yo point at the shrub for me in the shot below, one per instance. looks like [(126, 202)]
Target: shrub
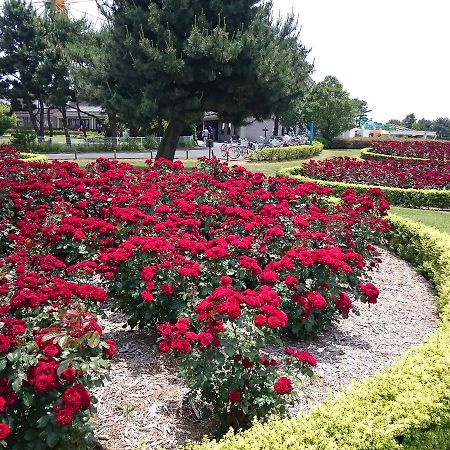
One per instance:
[(404, 407), (52, 353), (32, 157), (22, 138), (285, 153), (150, 143)]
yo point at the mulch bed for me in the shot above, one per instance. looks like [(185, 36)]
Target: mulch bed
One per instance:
[(142, 406)]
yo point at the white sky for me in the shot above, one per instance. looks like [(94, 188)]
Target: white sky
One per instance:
[(395, 54)]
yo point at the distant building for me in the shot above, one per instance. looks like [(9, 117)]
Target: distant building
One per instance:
[(376, 129), (91, 116), (225, 131)]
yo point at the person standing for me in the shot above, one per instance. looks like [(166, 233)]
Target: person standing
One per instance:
[(205, 134)]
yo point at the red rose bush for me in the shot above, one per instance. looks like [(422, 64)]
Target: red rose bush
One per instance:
[(221, 261), (407, 173), (425, 149)]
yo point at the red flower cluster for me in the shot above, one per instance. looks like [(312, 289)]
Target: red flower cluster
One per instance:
[(74, 399), (416, 174), (283, 386), (426, 149), (370, 291)]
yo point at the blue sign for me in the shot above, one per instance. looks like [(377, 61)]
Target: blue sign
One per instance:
[(311, 133)]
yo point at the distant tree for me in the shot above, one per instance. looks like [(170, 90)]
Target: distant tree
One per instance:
[(442, 127), (93, 77), (175, 60), (394, 122), (361, 111), (409, 120), (61, 37), (424, 124), (22, 44), (7, 118), (329, 106)]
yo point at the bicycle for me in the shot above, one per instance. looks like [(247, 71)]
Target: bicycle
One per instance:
[(233, 151)]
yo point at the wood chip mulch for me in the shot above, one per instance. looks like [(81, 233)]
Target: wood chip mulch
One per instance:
[(142, 407)]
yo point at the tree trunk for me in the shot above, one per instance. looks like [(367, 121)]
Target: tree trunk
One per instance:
[(41, 135), (159, 131), (276, 125), (50, 126), (32, 116), (66, 128), (168, 145), (82, 126), (112, 118)]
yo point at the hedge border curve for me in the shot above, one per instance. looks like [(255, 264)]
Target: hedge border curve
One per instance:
[(416, 198), (285, 153), (366, 153), (405, 407)]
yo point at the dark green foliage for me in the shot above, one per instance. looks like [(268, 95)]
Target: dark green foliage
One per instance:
[(175, 59), (22, 45), (23, 138)]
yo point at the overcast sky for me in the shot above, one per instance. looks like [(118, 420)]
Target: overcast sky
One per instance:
[(395, 54)]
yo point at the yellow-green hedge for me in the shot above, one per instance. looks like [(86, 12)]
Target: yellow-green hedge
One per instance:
[(405, 407), (366, 153), (412, 198), (32, 157), (286, 153)]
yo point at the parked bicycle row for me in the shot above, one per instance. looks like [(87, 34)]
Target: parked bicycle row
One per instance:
[(239, 148)]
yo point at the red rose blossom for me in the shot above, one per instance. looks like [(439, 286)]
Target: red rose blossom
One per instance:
[(283, 386)]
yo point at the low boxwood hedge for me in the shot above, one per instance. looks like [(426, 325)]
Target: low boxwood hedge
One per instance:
[(405, 407), (32, 157), (366, 153), (286, 153), (412, 198)]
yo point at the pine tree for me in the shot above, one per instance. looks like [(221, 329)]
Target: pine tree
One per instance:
[(175, 59)]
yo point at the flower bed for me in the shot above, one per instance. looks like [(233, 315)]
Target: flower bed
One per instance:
[(412, 198), (425, 149), (405, 407), (10, 152), (392, 173), (219, 260)]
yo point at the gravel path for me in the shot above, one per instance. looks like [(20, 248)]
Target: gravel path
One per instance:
[(142, 406)]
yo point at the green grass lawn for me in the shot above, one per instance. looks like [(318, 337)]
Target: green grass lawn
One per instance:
[(431, 218)]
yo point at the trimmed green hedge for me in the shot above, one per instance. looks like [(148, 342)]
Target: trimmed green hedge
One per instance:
[(405, 407), (367, 154), (412, 198), (286, 153), (32, 157)]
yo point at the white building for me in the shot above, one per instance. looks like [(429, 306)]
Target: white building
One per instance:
[(91, 116)]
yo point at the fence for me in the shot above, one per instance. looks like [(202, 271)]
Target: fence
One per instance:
[(128, 140)]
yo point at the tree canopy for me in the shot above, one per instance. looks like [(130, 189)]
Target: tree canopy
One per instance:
[(330, 107), (7, 118), (176, 59)]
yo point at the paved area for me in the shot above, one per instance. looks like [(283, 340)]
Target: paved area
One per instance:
[(179, 154)]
